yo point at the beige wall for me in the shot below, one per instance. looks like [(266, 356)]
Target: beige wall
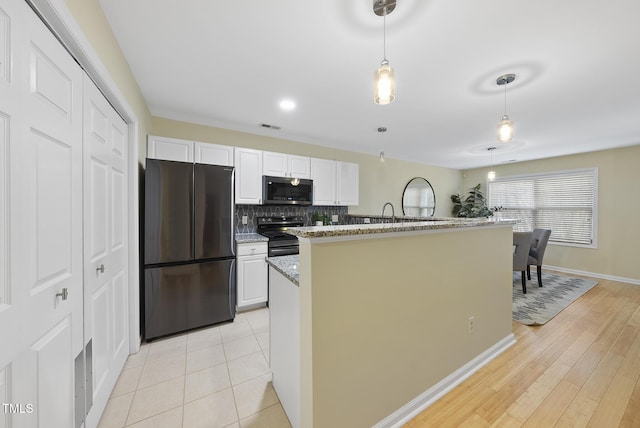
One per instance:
[(379, 182), (91, 19), (383, 320), (618, 208)]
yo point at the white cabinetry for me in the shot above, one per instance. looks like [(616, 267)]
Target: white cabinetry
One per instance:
[(283, 165), (169, 149), (174, 149), (248, 176), (335, 183), (252, 277), (323, 174), (213, 154), (284, 329), (347, 183)]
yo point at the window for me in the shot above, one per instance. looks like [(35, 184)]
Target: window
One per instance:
[(564, 201)]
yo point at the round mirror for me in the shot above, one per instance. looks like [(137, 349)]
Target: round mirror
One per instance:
[(418, 198)]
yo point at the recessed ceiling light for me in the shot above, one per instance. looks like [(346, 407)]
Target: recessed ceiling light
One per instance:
[(287, 105)]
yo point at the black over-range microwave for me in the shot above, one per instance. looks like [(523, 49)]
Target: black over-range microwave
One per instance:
[(286, 191)]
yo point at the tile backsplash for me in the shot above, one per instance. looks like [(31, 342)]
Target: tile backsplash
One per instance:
[(254, 211)]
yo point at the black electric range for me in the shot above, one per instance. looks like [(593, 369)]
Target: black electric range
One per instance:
[(280, 242)]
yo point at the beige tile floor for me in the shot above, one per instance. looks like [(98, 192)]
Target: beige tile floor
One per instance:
[(212, 377)]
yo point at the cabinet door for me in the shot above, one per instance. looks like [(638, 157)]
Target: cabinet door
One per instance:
[(274, 164), (323, 174), (213, 154), (252, 280), (299, 166), (248, 176), (348, 183), (169, 149)]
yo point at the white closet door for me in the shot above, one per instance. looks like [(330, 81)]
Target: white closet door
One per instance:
[(105, 250), (41, 210)]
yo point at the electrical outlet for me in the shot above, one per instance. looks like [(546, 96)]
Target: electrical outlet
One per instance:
[(367, 220), (334, 218), (245, 220), (472, 321)]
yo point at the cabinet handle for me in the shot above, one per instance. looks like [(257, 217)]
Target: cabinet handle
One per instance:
[(100, 269), (64, 294)]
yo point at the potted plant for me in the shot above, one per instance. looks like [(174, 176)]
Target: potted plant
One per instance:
[(317, 219), (474, 205)]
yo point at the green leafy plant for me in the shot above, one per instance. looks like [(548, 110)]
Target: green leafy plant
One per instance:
[(474, 205)]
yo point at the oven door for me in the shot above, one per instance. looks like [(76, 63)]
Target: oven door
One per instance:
[(283, 251), (282, 247)]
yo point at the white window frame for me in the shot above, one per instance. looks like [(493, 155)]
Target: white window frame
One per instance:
[(594, 208)]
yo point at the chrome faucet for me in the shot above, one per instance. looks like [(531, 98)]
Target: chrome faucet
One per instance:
[(393, 212)]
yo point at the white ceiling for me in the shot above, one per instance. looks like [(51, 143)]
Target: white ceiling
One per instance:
[(229, 63)]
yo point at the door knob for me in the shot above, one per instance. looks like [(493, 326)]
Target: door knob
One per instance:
[(100, 269), (64, 294)]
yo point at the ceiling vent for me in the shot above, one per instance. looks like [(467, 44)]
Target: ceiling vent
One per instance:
[(266, 125)]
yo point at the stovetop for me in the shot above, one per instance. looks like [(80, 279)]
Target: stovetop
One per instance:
[(274, 227)]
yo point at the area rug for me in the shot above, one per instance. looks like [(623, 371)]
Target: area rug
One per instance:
[(539, 305)]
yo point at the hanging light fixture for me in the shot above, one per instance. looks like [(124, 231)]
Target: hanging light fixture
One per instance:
[(505, 127), (382, 130), (491, 175), (384, 81)]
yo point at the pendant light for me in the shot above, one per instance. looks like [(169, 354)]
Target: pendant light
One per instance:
[(505, 127), (491, 175), (384, 82), (382, 130)]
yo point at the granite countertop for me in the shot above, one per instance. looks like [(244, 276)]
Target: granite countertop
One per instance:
[(400, 218), (286, 265), (247, 238), (413, 226)]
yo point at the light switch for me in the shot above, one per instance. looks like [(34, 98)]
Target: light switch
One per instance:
[(245, 220)]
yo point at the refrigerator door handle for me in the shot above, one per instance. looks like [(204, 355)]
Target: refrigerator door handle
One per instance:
[(232, 290), (232, 236)]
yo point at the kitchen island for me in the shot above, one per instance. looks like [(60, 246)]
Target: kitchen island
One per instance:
[(386, 318)]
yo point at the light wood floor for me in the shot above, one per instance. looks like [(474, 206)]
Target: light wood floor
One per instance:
[(581, 369)]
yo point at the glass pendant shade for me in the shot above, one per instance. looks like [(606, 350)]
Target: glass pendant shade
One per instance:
[(505, 129), (384, 81), (491, 175)]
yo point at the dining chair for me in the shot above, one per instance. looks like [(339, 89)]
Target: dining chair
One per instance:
[(521, 244), (539, 241)]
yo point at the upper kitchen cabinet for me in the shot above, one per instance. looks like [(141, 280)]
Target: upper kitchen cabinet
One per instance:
[(347, 183), (213, 154), (335, 183), (173, 149), (323, 174), (248, 164), (284, 165)]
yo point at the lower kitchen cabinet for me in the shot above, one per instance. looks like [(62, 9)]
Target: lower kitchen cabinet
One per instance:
[(252, 276)]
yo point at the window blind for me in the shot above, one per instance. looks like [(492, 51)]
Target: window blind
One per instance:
[(564, 202)]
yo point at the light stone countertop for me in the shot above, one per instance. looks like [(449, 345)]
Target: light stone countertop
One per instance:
[(286, 265), (413, 226), (248, 238)]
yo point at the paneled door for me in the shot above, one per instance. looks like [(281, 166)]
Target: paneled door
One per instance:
[(105, 249), (40, 213)]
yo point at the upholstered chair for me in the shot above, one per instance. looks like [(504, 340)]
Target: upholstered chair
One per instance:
[(521, 244), (539, 241)]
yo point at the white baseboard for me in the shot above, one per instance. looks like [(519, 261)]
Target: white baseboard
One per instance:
[(593, 274), (431, 395)]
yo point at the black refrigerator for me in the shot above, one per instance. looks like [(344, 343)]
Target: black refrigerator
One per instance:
[(189, 257)]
